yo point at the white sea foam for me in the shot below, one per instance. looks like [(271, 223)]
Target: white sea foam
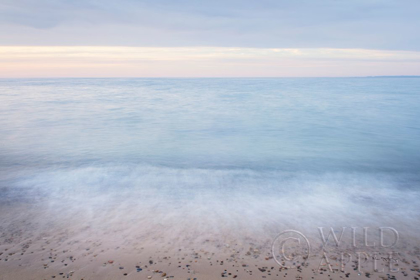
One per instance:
[(199, 203)]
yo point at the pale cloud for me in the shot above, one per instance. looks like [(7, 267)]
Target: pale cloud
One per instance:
[(363, 24), (94, 61)]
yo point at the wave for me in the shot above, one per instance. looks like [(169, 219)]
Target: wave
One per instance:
[(240, 201)]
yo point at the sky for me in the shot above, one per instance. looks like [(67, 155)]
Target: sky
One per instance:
[(185, 38)]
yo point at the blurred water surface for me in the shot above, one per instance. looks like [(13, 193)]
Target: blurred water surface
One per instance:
[(250, 157), (289, 124)]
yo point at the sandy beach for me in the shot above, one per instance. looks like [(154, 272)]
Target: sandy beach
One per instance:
[(124, 250)]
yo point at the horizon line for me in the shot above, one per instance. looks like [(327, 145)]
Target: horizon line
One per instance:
[(215, 77)]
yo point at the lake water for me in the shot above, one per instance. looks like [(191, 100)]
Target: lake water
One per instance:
[(290, 150), (337, 124)]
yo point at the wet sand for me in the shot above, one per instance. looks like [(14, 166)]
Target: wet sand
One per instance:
[(56, 246)]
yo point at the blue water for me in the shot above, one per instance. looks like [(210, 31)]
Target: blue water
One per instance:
[(305, 124), (197, 154)]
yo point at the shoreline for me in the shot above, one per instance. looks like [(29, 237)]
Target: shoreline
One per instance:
[(120, 249)]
